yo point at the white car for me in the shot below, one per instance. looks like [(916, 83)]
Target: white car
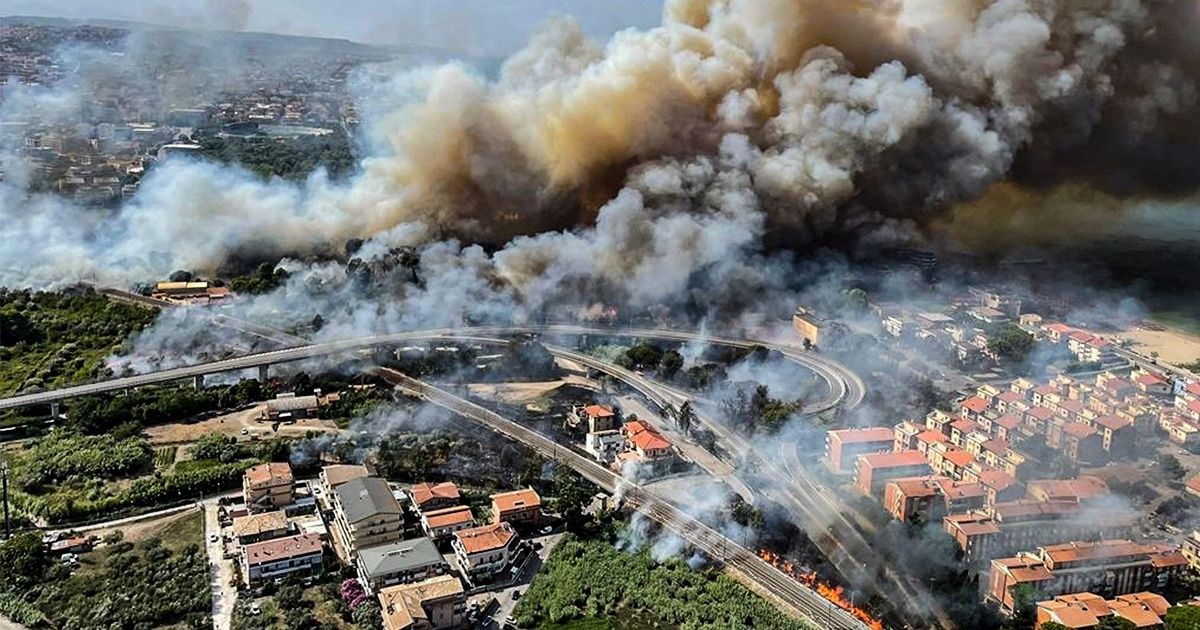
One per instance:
[(212, 538), (546, 530), (255, 609)]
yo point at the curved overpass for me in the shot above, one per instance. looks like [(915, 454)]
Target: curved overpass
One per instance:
[(845, 387)]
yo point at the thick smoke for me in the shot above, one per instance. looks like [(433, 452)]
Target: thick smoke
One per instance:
[(626, 170)]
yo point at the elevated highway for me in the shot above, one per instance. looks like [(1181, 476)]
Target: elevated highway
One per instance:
[(846, 389)]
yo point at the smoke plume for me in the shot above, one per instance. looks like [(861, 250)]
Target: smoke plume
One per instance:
[(735, 127)]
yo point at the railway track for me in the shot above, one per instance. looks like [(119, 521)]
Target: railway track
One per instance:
[(814, 608)]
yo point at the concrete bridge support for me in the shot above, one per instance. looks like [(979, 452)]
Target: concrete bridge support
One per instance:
[(198, 381), (55, 411), (264, 373)]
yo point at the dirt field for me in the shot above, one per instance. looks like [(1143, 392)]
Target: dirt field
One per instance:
[(233, 424), (1171, 344), (524, 393)]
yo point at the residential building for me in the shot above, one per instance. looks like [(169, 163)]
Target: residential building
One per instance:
[(1109, 568), (337, 474), (484, 551), (595, 417), (434, 496), (928, 499), (1085, 611), (1190, 548), (1080, 490), (254, 528), (875, 469), (438, 603), (272, 559), (604, 445), (268, 486), (518, 507), (399, 562), (815, 330), (441, 524), (843, 446), (647, 443), (366, 513), (1006, 528)]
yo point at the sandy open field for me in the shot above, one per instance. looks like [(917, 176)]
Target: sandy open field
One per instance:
[(1172, 345), (524, 393), (232, 424)]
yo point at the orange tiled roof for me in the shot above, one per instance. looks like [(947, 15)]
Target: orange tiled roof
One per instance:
[(645, 437), (975, 404), (273, 474), (517, 500), (485, 538), (282, 548), (448, 517), (423, 493), (598, 411)]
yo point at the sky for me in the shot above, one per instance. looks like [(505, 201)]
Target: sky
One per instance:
[(477, 27)]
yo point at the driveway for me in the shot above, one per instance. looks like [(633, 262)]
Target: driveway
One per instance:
[(224, 595)]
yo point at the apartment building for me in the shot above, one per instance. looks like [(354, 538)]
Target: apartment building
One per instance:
[(399, 562), (483, 551), (268, 487), (366, 513), (1108, 568), (843, 446), (438, 603), (273, 559)]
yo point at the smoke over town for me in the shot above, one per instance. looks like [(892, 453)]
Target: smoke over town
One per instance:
[(629, 167)]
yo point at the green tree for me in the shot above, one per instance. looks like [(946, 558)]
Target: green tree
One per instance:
[(368, 616), (571, 496), (1053, 625), (644, 356), (670, 364), (23, 557), (1183, 618), (1011, 343), (1114, 622), (686, 416)]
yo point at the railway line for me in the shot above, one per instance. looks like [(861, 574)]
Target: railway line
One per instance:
[(814, 608)]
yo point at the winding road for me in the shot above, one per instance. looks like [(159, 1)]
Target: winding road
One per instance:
[(846, 389)]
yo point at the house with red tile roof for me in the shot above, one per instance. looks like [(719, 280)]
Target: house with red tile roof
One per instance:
[(434, 496)]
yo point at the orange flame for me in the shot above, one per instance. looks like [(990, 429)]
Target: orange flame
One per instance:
[(835, 594)]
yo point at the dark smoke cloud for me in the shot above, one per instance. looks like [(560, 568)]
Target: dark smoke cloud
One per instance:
[(626, 170)]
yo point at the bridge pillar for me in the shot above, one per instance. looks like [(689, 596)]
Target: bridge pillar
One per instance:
[(55, 411), (264, 373), (198, 381)]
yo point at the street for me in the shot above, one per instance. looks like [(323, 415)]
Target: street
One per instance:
[(224, 595)]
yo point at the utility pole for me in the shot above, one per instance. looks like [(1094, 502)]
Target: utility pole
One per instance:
[(4, 485)]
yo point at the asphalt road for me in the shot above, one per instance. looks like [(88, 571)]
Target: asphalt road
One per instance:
[(846, 388)]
